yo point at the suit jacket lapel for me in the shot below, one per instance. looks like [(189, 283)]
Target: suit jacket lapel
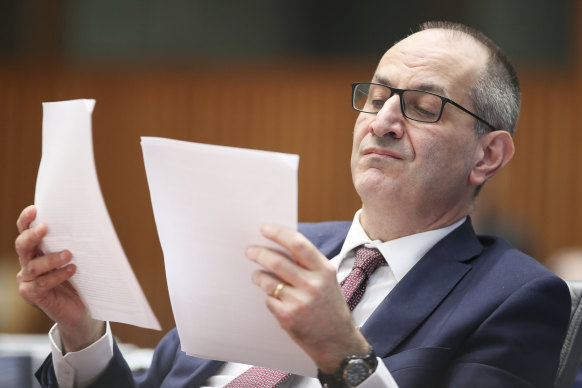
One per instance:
[(422, 289)]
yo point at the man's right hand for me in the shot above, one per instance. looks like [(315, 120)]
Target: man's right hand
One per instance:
[(43, 281)]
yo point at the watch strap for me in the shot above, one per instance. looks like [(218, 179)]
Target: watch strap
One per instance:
[(338, 378)]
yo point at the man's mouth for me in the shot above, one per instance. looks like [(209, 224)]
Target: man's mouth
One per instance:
[(383, 152)]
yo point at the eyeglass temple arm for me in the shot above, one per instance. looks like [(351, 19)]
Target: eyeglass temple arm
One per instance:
[(471, 113)]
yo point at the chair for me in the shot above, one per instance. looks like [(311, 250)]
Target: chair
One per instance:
[(571, 353)]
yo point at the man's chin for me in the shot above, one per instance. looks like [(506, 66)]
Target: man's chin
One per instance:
[(372, 182)]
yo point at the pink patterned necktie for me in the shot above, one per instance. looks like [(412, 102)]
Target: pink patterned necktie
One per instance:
[(353, 288), (354, 285)]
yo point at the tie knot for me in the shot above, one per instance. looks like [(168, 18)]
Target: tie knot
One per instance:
[(368, 259)]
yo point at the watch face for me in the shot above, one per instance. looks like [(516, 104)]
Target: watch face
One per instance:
[(355, 372)]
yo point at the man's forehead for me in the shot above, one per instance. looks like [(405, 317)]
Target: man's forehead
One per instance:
[(435, 60), (426, 85)]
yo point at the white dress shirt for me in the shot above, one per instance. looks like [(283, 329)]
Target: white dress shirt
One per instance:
[(79, 369)]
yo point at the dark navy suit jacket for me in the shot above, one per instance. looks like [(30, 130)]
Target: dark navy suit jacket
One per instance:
[(473, 312)]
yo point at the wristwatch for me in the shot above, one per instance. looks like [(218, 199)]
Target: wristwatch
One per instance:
[(352, 372)]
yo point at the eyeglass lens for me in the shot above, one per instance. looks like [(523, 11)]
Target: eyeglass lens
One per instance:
[(417, 105)]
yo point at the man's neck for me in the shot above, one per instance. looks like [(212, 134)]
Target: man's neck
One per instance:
[(390, 225)]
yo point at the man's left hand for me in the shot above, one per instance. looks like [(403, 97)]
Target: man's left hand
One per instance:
[(310, 306)]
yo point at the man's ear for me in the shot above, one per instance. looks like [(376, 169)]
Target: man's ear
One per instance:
[(495, 151)]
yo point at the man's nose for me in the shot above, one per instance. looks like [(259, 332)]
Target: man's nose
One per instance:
[(389, 120)]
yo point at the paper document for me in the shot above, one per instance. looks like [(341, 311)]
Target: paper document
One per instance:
[(209, 203), (69, 202)]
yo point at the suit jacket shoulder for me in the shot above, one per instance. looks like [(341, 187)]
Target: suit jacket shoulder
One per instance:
[(474, 311)]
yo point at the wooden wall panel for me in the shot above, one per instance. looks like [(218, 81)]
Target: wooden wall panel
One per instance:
[(540, 188)]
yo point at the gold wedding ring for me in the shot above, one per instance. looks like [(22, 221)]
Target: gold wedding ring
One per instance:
[(278, 290)]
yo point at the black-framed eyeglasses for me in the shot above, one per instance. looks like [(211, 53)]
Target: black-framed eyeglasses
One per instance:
[(417, 105)]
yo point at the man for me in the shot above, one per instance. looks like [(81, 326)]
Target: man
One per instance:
[(448, 310)]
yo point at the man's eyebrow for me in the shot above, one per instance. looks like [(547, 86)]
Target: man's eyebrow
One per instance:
[(427, 87), (381, 80)]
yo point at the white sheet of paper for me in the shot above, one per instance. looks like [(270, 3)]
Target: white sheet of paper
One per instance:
[(209, 203), (69, 201)]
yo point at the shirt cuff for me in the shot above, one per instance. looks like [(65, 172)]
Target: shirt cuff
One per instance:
[(79, 369), (380, 378)]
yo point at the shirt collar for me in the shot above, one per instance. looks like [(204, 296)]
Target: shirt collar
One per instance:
[(402, 253)]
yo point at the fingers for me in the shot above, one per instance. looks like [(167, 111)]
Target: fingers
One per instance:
[(278, 293), (275, 262), (27, 243), (41, 275), (278, 290), (35, 291), (271, 285), (26, 217), (310, 268), (42, 265), (296, 244)]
